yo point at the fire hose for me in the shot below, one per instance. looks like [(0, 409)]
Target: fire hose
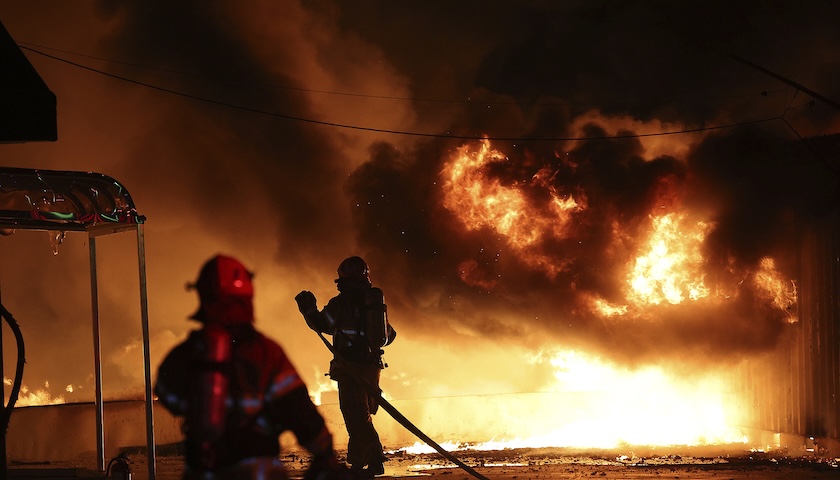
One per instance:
[(377, 394), (13, 395)]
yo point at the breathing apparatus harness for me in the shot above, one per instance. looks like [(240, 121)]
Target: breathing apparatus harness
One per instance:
[(371, 315)]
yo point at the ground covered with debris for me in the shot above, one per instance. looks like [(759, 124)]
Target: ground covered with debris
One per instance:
[(553, 463), (550, 464), (556, 463)]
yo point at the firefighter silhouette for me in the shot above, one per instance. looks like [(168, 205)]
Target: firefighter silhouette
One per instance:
[(357, 319), (236, 389)]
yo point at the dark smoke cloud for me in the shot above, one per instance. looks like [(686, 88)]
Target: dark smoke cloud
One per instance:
[(663, 61), (293, 198), (228, 158)]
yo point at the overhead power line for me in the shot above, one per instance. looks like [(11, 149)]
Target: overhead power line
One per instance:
[(388, 131), (790, 82), (468, 101)]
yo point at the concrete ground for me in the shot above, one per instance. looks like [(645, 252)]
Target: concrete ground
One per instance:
[(523, 464)]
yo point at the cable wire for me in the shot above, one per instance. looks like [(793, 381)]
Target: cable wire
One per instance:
[(411, 99), (395, 132), (811, 148)]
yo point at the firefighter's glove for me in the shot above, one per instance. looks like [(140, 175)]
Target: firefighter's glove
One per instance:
[(327, 467), (306, 302)]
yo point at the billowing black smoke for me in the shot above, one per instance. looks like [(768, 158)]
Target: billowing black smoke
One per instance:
[(756, 182)]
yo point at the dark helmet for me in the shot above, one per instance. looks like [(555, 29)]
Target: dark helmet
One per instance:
[(353, 267), (225, 290), (353, 274)]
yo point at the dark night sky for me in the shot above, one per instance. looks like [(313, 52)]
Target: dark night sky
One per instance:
[(266, 130)]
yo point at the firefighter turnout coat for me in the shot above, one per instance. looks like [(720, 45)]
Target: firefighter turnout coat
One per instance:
[(237, 392)]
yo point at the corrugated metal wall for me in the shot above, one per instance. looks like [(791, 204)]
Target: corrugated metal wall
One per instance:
[(796, 388), (819, 318)]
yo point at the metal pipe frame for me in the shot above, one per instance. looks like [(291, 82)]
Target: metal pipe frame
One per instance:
[(147, 364), (97, 356)]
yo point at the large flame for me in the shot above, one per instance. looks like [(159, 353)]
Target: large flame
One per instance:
[(482, 201), (670, 267), (667, 269), (596, 404), (646, 406), (664, 268)]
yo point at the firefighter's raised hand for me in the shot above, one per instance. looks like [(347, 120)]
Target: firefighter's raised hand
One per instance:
[(306, 302)]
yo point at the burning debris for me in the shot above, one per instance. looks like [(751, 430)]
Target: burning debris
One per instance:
[(38, 396)]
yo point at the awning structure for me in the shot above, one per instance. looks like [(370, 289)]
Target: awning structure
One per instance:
[(27, 105), (63, 201), (92, 203)]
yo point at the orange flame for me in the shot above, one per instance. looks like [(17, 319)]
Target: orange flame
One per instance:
[(322, 384), (670, 270), (611, 405), (481, 201), (671, 267), (40, 396), (596, 404), (782, 292)]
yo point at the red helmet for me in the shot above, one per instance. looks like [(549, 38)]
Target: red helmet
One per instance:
[(225, 290)]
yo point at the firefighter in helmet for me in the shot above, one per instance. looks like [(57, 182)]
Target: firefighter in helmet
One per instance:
[(236, 389), (358, 322)]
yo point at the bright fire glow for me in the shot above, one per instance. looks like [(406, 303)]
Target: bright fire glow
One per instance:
[(28, 397), (646, 406), (783, 292), (483, 201), (595, 404), (322, 385), (670, 268)]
